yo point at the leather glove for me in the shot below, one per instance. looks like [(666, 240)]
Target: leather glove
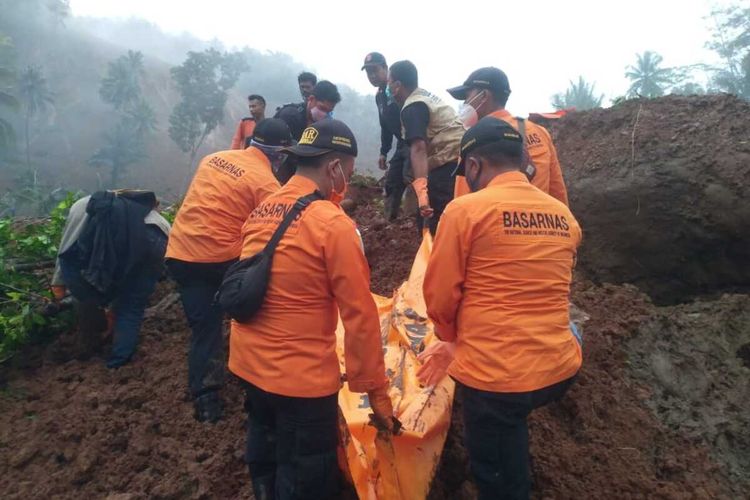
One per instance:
[(382, 408), (58, 291), (423, 199)]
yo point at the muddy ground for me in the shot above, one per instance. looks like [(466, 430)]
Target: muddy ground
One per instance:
[(71, 428), (661, 189), (660, 410)]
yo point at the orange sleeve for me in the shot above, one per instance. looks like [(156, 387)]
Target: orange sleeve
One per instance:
[(556, 182), (349, 278), (461, 187), (446, 271), (237, 139)]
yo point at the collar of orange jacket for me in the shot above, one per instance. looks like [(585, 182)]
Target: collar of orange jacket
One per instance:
[(303, 183), (257, 153), (501, 114), (508, 177)]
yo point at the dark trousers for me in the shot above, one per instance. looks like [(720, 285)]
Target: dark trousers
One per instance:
[(291, 445), (395, 182), (128, 302), (440, 184), (198, 283), (497, 437)]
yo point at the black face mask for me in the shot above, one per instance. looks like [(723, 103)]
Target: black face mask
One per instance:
[(474, 184)]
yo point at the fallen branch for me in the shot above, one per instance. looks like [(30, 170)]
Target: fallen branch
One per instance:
[(27, 292), (29, 266)]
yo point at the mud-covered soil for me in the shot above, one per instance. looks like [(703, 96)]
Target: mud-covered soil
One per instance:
[(73, 429), (603, 440), (661, 189), (695, 359)]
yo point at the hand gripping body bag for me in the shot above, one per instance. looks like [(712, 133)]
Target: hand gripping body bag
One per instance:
[(243, 289)]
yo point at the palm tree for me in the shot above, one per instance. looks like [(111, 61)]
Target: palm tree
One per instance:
[(580, 96), (35, 97), (7, 100), (648, 79), (121, 148), (121, 87), (142, 117)]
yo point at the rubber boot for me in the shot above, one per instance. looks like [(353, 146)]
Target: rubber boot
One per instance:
[(209, 407), (92, 322), (263, 487)]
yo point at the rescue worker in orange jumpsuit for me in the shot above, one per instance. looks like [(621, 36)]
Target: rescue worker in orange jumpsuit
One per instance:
[(497, 287), (206, 239), (257, 105), (286, 354), (485, 93)]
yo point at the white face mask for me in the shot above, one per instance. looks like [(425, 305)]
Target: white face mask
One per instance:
[(467, 113)]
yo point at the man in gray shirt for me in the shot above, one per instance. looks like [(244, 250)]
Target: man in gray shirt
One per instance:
[(131, 294)]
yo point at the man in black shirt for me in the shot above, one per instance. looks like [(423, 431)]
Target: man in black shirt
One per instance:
[(306, 82), (324, 97), (390, 127)]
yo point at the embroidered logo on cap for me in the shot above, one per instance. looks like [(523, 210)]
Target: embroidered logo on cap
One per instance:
[(308, 136)]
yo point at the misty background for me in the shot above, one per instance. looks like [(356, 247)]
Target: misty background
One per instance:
[(99, 102)]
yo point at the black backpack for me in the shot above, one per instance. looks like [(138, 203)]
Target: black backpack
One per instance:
[(243, 289)]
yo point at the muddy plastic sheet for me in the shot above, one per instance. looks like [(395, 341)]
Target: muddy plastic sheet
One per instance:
[(401, 467)]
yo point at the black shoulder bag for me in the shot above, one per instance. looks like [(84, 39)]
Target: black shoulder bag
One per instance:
[(530, 168), (243, 289)]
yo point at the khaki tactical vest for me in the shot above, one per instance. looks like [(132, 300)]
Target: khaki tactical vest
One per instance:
[(444, 132)]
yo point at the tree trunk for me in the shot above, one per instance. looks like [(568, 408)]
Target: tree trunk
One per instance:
[(115, 175), (189, 173), (193, 155), (28, 145)]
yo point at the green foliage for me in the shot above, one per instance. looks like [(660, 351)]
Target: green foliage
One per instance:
[(170, 212), (8, 101), (203, 81), (647, 77), (121, 86), (688, 88), (125, 144), (580, 95), (121, 147), (33, 91), (731, 40), (59, 10), (23, 294), (75, 57), (36, 98), (361, 180), (141, 117)]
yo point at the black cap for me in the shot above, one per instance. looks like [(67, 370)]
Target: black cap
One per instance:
[(489, 130), (374, 59), (325, 136), (272, 132), (483, 78)]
